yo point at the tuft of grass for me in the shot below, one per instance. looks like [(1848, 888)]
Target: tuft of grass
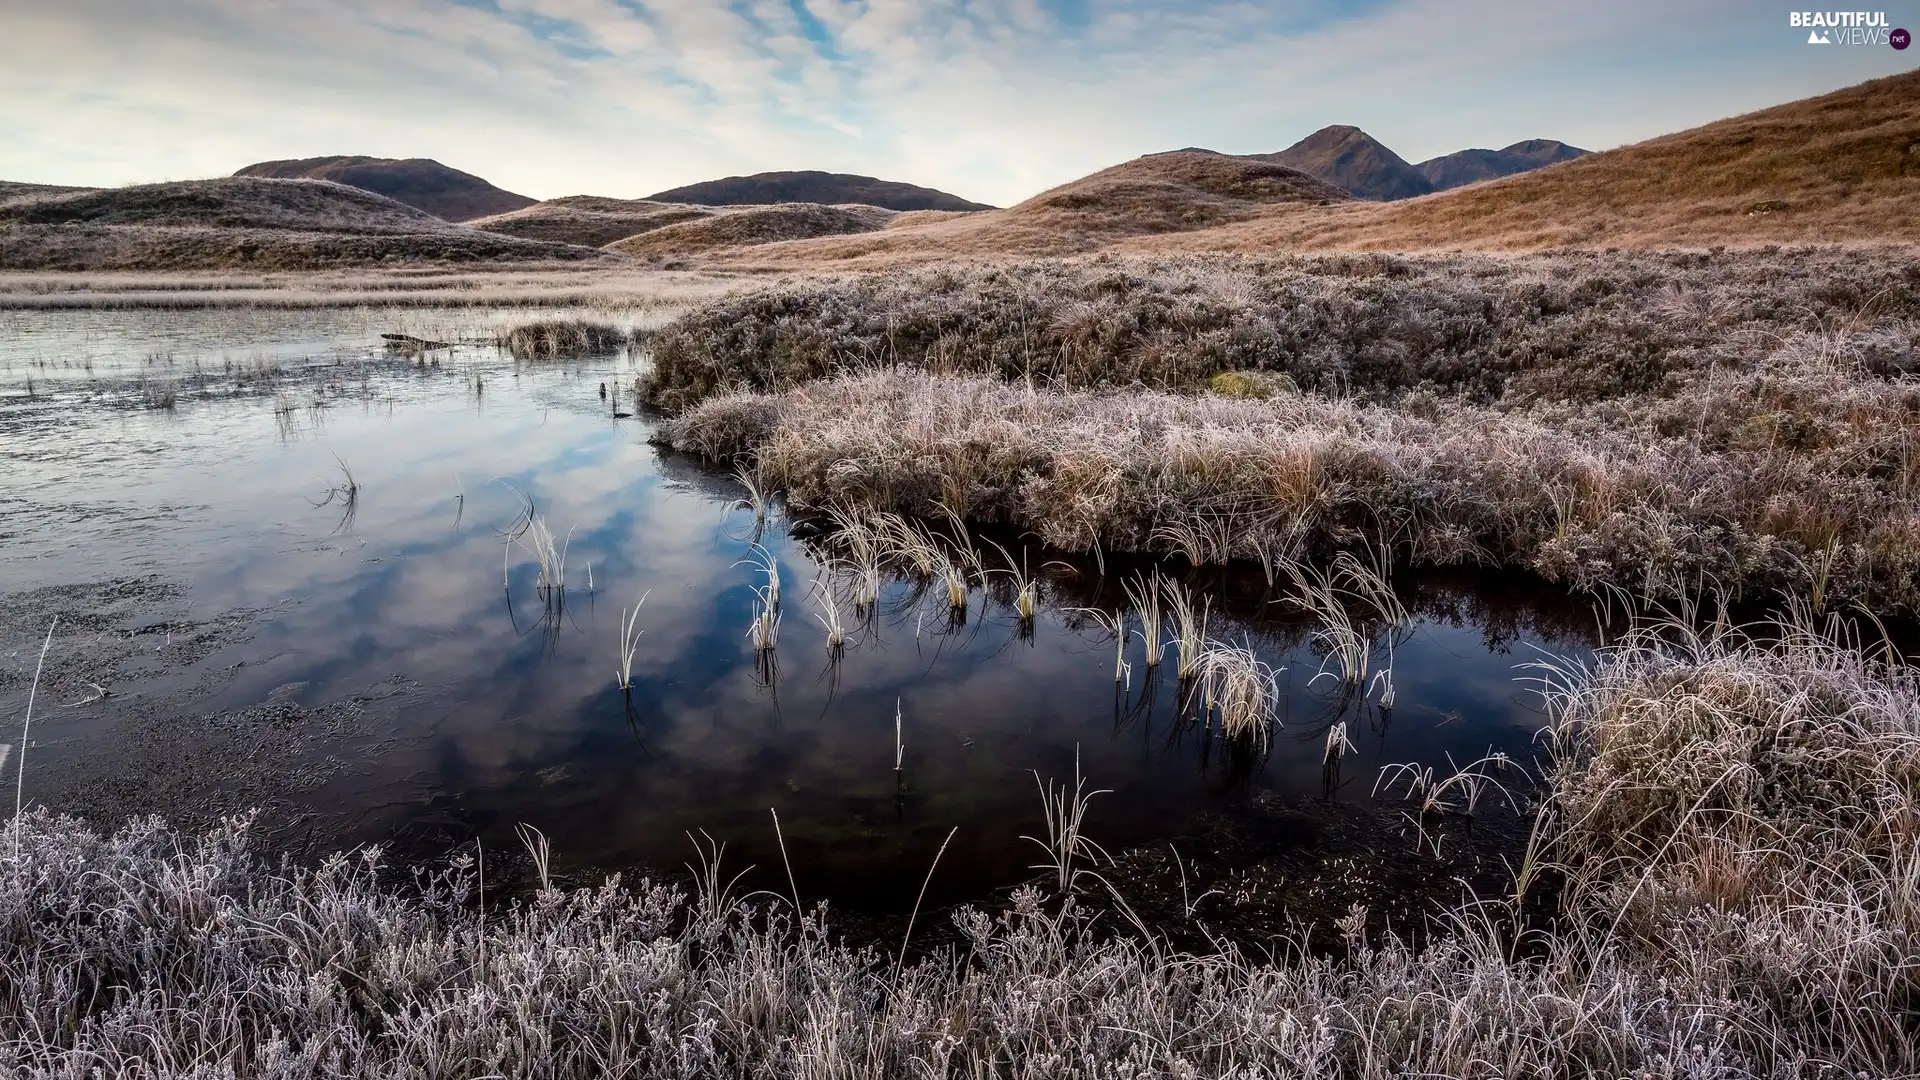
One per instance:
[(558, 339), (1066, 842), (1238, 693)]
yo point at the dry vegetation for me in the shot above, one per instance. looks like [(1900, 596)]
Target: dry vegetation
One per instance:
[(1745, 420), (1734, 824), (589, 220), (243, 223)]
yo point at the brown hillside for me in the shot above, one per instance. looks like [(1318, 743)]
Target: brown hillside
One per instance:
[(589, 219), (770, 188), (1843, 167), (419, 182), (747, 227), (245, 223), (1177, 191), (1353, 161)]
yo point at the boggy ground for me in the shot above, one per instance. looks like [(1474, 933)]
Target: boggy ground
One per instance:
[(1739, 421)]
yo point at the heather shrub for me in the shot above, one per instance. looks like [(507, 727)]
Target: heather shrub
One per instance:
[(1573, 326)]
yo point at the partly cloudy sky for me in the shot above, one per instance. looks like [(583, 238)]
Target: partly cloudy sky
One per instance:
[(991, 100)]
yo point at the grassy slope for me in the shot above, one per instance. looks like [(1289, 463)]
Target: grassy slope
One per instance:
[(244, 223)]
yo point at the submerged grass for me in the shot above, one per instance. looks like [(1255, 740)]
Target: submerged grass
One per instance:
[(1734, 821)]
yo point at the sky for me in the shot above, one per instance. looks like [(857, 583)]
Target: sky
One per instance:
[(993, 100)]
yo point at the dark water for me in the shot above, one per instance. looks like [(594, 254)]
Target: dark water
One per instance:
[(521, 720)]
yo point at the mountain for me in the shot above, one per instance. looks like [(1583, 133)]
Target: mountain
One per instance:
[(1841, 168), (1352, 160), (419, 182), (814, 187), (246, 223), (1472, 166)]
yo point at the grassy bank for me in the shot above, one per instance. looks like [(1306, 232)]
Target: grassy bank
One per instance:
[(1744, 421), (1734, 821)]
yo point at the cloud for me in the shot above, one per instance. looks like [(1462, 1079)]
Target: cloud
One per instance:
[(990, 99)]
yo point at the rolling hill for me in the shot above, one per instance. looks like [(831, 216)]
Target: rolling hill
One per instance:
[(589, 219), (246, 222), (750, 226), (814, 187), (422, 183)]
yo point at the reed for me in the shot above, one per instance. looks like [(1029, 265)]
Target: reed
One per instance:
[(764, 630), (1144, 592), (829, 614), (756, 497), (1338, 743), (768, 567), (1239, 694), (1066, 842), (1189, 627), (630, 641), (26, 722)]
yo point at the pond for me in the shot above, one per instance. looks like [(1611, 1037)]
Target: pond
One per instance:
[(478, 704)]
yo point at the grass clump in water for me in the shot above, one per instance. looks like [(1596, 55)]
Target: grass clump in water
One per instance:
[(559, 339)]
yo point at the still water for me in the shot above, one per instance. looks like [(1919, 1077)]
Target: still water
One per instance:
[(516, 716)]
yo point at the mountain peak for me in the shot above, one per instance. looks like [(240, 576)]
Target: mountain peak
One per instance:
[(1347, 157)]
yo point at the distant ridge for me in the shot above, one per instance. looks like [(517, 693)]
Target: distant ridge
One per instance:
[(1472, 166), (422, 183), (770, 188), (247, 222)]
